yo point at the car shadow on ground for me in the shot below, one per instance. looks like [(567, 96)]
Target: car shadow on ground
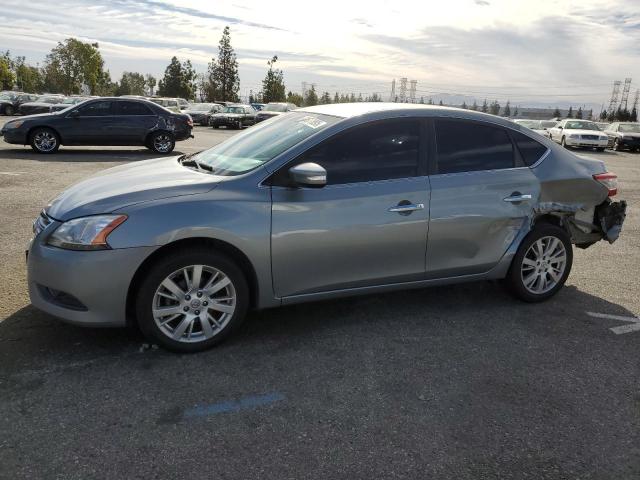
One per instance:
[(30, 338), (86, 155)]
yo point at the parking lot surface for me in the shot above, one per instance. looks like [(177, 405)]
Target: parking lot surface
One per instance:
[(456, 382)]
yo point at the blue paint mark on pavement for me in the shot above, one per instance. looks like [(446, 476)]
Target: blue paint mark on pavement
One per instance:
[(233, 405)]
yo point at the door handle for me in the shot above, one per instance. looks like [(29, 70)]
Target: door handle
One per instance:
[(516, 197), (408, 207)]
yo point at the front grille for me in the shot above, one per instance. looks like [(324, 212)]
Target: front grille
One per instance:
[(42, 222), (590, 137)]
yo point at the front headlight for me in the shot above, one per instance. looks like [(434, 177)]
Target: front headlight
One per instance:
[(14, 124), (86, 233)]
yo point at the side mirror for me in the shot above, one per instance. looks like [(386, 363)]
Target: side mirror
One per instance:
[(308, 175), (559, 127)]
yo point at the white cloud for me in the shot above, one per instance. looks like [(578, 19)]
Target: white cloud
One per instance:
[(517, 49)]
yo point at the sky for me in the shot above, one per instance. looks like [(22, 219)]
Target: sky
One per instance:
[(528, 51)]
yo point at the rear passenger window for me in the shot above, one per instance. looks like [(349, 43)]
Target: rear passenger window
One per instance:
[(379, 151), (465, 146), (133, 108), (530, 150)]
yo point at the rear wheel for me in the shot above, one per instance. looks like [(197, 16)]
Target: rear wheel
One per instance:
[(9, 110), (616, 145), (541, 265), (44, 140), (161, 142), (600, 149), (192, 300)]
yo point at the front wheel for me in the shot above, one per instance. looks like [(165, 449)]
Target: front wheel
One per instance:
[(161, 142), (564, 143), (616, 145), (9, 110), (600, 149), (44, 140), (191, 300), (541, 265)]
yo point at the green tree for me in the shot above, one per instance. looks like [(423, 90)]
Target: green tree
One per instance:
[(570, 114), (603, 115), (579, 113), (634, 114), (73, 64), (556, 113), (515, 112), (507, 110), (325, 99), (440, 103), (295, 98), (421, 100), (131, 83), (311, 97), (223, 72), (336, 98), (150, 82), (273, 83), (7, 77), (179, 80), (464, 105), (430, 101), (474, 106), (494, 108), (485, 106)]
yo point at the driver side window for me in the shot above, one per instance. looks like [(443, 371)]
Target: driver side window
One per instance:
[(95, 109)]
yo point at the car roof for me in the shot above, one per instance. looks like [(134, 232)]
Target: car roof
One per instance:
[(347, 110)]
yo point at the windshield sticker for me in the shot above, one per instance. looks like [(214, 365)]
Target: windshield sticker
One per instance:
[(312, 122)]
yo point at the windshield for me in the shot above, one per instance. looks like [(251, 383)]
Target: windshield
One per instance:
[(275, 108), (48, 99), (262, 143), (233, 110), (529, 123), (629, 128), (579, 125), (7, 96), (201, 107)]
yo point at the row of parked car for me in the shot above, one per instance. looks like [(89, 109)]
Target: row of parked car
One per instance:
[(235, 115), (577, 133)]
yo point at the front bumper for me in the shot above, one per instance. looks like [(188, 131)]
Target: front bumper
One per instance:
[(586, 142), (14, 135), (629, 142), (80, 287), (224, 121)]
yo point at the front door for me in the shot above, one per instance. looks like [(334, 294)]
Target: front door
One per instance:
[(481, 195), (90, 125), (367, 226)]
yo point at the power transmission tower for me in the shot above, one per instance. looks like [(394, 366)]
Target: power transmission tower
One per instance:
[(403, 89), (393, 91), (614, 95), (412, 91), (635, 100), (625, 93), (304, 89)]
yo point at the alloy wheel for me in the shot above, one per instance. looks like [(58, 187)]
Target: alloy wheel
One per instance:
[(162, 143), (45, 141), (543, 265), (194, 303)]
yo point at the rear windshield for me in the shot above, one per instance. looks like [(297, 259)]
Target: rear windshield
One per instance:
[(201, 107), (275, 108), (233, 110), (262, 143)]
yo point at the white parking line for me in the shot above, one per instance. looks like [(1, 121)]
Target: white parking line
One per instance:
[(14, 174), (633, 327)]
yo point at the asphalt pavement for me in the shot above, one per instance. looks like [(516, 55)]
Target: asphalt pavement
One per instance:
[(458, 382)]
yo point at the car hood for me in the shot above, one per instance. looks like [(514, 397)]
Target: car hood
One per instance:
[(630, 135), (128, 184), (228, 115), (584, 132)]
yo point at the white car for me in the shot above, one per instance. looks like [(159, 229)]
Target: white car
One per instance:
[(538, 126), (579, 133)]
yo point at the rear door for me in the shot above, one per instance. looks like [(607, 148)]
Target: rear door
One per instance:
[(90, 126), (481, 194), (367, 226), (131, 123)]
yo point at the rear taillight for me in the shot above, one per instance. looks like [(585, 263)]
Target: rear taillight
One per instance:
[(190, 121), (609, 180)]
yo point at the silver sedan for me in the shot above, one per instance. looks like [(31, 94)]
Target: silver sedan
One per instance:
[(318, 203)]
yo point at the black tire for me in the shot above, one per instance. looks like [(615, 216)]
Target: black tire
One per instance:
[(563, 143), (42, 136), (9, 110), (600, 149), (172, 263), (616, 145), (161, 142), (514, 280)]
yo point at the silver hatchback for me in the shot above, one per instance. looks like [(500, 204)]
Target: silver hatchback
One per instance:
[(318, 203)]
